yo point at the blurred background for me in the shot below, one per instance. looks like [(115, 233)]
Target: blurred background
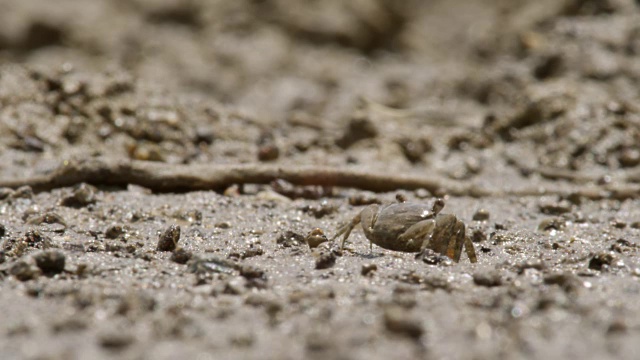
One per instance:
[(448, 85)]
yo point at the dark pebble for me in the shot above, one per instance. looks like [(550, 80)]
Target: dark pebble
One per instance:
[(169, 238), (487, 278), (481, 215), (477, 235), (601, 261), (567, 281), (114, 231), (315, 238), (81, 196), (364, 199), (400, 321), (629, 158), (181, 256), (555, 208), (368, 269), (360, 127), (50, 262), (290, 238), (115, 340), (23, 271), (325, 258), (268, 152), (431, 257)]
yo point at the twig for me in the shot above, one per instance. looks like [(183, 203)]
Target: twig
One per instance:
[(162, 177)]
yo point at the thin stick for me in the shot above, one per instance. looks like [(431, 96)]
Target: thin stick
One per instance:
[(162, 177)]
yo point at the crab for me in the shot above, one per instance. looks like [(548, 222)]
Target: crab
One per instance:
[(412, 227)]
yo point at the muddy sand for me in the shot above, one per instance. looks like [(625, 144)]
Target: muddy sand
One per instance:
[(172, 174)]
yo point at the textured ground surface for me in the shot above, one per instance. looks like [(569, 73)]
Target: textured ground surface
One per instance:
[(532, 106)]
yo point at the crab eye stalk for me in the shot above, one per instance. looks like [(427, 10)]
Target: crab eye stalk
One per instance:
[(438, 205)]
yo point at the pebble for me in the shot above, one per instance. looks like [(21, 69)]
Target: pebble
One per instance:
[(114, 231), (169, 238), (315, 238), (290, 238), (181, 256), (51, 261), (602, 261), (81, 196), (368, 269), (325, 257), (481, 215), (400, 321), (489, 278), (268, 152), (555, 208), (360, 127), (23, 271), (115, 340), (364, 198)]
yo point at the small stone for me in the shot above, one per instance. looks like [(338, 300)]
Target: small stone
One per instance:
[(602, 261), (290, 238), (223, 225), (114, 231), (34, 238), (236, 286), (400, 321), (181, 256), (3, 230), (204, 135), (360, 127), (364, 198), (268, 152), (551, 224), (232, 191), (50, 262), (536, 264), (320, 210), (115, 340), (23, 271), (477, 235), (169, 238), (431, 257), (251, 272), (368, 269), (422, 193), (629, 158), (81, 196), (567, 281), (481, 215), (618, 326), (325, 258), (315, 238), (619, 224), (556, 208), (487, 278), (414, 148)]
